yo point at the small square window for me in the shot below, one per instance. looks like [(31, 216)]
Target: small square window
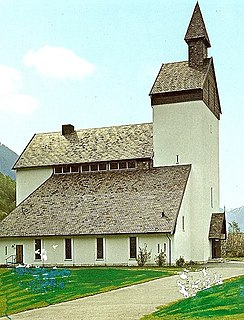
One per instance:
[(102, 166), (94, 167), (58, 170), (74, 169), (122, 165), (131, 164), (114, 166), (85, 167), (66, 169)]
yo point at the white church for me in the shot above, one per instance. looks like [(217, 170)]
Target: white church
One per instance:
[(95, 196)]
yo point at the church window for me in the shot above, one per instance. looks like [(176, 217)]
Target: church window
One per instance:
[(158, 247), (211, 197), (165, 247), (102, 166), (58, 170), (131, 164), (74, 168), (85, 167), (100, 248), (183, 223), (94, 167), (66, 169), (6, 250), (132, 247), (68, 249), (38, 249), (122, 165), (114, 166)]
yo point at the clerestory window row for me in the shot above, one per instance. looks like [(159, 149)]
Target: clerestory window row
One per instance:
[(92, 167)]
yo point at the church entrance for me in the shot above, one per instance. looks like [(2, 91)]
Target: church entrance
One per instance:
[(216, 248), (19, 253)]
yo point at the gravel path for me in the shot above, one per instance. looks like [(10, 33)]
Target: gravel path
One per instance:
[(128, 303)]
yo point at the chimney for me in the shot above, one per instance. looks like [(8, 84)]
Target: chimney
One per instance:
[(67, 129)]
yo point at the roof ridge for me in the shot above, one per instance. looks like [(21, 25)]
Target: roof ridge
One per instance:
[(95, 128)]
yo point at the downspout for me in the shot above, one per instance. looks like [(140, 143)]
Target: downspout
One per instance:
[(170, 257)]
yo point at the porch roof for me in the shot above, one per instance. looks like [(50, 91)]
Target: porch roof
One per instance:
[(217, 226)]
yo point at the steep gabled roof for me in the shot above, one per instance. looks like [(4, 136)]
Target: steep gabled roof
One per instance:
[(217, 228), (137, 201), (178, 76), (88, 145)]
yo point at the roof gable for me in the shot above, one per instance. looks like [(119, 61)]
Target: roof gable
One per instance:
[(88, 145), (101, 203)]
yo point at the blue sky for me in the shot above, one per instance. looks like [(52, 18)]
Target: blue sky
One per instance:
[(92, 63)]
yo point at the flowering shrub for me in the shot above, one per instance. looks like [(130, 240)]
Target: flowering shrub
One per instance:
[(143, 256)]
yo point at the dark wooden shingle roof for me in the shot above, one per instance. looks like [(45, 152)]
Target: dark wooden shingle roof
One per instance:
[(101, 203), (217, 226), (88, 145), (197, 28), (178, 76)]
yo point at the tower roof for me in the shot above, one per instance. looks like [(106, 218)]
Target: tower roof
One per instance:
[(196, 29)]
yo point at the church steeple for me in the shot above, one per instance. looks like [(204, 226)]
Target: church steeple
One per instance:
[(197, 39)]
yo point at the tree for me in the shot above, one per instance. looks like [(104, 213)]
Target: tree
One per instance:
[(7, 195), (234, 227)]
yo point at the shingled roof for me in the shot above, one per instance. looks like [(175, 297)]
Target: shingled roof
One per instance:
[(88, 145), (217, 226), (197, 28), (136, 201), (179, 76)]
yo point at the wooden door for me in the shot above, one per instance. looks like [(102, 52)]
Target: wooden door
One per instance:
[(19, 253), (216, 248)]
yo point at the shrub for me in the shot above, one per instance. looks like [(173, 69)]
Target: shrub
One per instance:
[(160, 259), (180, 262), (191, 263), (143, 256)]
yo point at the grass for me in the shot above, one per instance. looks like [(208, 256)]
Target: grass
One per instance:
[(221, 302), (235, 259), (23, 289)]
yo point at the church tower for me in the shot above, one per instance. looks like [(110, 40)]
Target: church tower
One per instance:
[(186, 113)]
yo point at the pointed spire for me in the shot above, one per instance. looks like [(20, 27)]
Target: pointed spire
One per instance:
[(196, 28), (197, 39)]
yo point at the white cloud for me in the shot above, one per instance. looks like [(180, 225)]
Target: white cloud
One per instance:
[(11, 98), (58, 62)]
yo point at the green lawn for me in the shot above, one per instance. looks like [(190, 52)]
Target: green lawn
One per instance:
[(224, 301), (235, 259), (22, 289)]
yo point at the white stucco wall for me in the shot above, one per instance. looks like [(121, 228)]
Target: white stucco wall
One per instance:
[(191, 131), (116, 250), (29, 179)]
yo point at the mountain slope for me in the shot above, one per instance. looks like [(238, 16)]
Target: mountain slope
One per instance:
[(7, 195), (236, 215), (7, 160)]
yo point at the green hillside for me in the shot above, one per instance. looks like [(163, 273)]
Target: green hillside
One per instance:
[(7, 195)]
